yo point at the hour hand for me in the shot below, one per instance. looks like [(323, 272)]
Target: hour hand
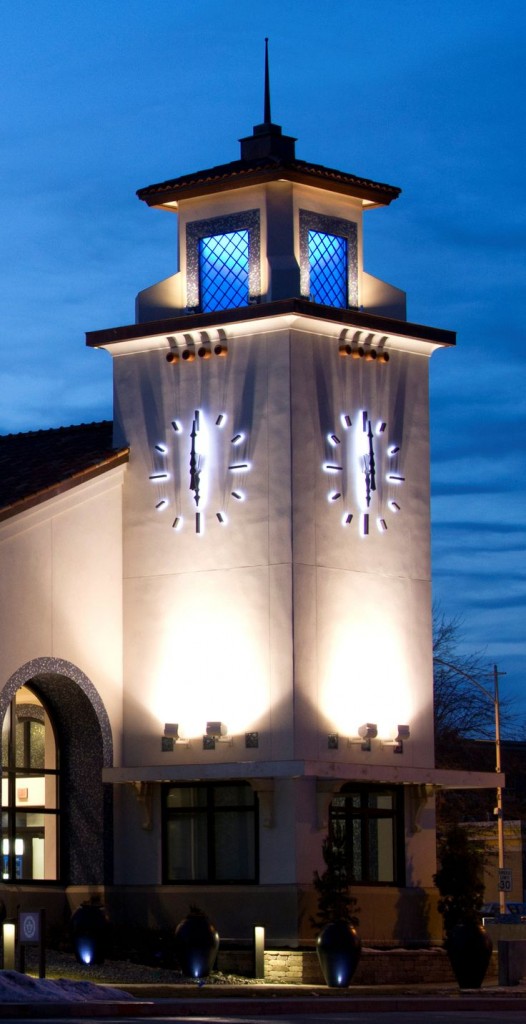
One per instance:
[(367, 474)]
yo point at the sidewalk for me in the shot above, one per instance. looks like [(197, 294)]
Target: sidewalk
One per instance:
[(271, 1000)]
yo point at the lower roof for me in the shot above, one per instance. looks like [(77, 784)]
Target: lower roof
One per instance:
[(40, 464)]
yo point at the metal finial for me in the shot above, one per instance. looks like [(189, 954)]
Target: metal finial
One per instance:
[(266, 114)]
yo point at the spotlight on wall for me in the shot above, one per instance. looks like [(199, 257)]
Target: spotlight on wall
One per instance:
[(404, 732), (216, 732), (171, 736), (368, 732)]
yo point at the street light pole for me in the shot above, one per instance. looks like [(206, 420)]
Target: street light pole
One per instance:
[(500, 812), (494, 698)]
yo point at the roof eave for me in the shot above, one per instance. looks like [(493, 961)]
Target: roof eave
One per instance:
[(168, 195), (54, 490)]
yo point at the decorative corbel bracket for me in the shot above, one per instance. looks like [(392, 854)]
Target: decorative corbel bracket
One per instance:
[(144, 796), (265, 791), (418, 797)]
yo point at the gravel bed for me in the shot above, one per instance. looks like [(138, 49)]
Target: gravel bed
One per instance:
[(123, 972)]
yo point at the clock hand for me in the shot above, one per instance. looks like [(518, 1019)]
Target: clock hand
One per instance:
[(372, 467), (367, 474), (195, 461)]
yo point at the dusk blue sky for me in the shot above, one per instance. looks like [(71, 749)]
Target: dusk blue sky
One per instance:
[(102, 97)]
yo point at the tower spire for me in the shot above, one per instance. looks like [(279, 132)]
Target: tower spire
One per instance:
[(267, 119), (267, 140)]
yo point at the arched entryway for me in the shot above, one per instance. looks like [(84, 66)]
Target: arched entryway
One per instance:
[(53, 716)]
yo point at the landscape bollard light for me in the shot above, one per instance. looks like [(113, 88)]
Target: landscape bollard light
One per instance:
[(259, 951), (9, 932)]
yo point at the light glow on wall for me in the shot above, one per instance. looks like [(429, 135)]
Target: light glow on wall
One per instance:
[(365, 678), (213, 666)]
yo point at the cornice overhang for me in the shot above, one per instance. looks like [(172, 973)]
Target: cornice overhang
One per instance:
[(338, 772), (296, 312), (241, 174)]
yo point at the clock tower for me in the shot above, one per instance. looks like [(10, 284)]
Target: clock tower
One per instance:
[(277, 585)]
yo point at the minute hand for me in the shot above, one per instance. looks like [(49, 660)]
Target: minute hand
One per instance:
[(372, 467), (194, 463)]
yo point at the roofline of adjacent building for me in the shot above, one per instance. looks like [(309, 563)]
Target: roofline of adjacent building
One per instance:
[(54, 490)]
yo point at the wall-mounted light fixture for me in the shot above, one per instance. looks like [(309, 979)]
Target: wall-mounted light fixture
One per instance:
[(403, 734), (366, 732), (171, 736), (216, 732)]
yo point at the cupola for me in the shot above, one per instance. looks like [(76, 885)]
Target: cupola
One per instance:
[(265, 227)]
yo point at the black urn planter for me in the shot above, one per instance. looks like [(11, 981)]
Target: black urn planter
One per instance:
[(196, 945), (469, 947), (338, 947), (90, 932)]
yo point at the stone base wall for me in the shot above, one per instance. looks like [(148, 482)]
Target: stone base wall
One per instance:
[(376, 967)]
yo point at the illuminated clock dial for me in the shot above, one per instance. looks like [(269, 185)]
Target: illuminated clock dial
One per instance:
[(365, 470), (200, 471)]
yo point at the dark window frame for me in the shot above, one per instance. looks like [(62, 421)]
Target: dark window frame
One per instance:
[(22, 715), (211, 812), (364, 814)]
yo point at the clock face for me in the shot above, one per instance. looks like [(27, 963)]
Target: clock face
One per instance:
[(199, 471), (363, 472)]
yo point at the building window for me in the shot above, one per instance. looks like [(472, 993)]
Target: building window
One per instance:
[(210, 833), (368, 820), (328, 260), (328, 269), (223, 271), (30, 777), (223, 262)]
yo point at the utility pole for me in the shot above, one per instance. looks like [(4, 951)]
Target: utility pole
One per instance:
[(494, 698)]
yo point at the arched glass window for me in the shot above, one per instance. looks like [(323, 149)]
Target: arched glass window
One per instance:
[(29, 839)]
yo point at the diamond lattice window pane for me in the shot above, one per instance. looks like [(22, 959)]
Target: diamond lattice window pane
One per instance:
[(223, 266), (328, 268)]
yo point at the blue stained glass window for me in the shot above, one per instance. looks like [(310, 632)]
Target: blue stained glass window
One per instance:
[(328, 268), (223, 270)]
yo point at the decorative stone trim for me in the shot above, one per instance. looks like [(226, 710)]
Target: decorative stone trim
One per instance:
[(310, 221), (247, 220)]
